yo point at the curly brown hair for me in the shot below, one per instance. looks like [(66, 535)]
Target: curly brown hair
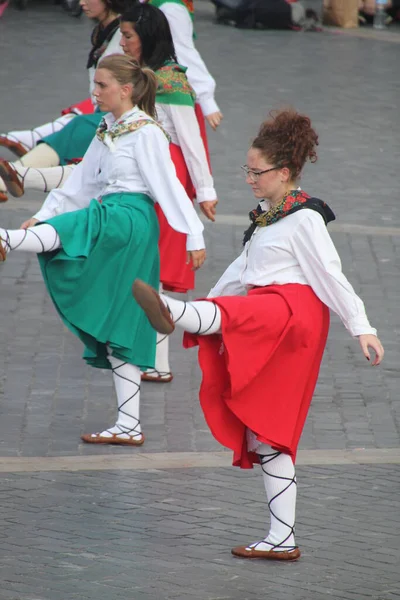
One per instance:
[(287, 139)]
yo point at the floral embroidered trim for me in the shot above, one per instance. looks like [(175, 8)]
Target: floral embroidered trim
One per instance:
[(121, 127)]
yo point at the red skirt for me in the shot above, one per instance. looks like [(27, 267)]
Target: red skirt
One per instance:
[(261, 372), (175, 274), (85, 107)]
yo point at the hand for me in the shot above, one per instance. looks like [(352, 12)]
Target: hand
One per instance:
[(208, 208), (29, 223), (197, 257), (371, 341), (214, 119)]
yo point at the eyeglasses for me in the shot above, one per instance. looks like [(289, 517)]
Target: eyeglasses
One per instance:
[(254, 175)]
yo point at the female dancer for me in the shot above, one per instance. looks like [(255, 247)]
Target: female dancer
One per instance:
[(101, 228), (289, 274), (180, 18), (55, 149), (146, 36)]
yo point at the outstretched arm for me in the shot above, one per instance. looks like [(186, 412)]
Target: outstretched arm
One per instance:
[(320, 263)]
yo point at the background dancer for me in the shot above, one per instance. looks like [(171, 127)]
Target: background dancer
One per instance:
[(101, 229), (289, 274), (56, 149), (63, 147), (180, 15)]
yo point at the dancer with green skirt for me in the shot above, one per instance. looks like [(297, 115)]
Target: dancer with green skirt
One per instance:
[(100, 230)]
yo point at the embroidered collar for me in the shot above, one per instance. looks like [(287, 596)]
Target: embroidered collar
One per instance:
[(111, 128), (292, 202)]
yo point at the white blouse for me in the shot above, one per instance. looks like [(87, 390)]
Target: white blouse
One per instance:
[(181, 124), (112, 48), (296, 249), (139, 162), (202, 82)]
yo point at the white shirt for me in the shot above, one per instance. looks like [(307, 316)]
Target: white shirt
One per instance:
[(296, 249), (181, 124), (140, 162), (202, 82), (112, 48)]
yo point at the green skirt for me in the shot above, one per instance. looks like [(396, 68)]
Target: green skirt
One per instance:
[(72, 141), (105, 247)]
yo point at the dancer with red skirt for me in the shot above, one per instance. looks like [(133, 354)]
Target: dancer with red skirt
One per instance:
[(147, 37), (263, 329)]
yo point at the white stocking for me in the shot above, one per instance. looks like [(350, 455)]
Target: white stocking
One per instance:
[(29, 137), (43, 238), (201, 317), (42, 180), (281, 488), (161, 368), (127, 387)]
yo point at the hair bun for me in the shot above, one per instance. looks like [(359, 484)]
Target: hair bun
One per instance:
[(287, 139)]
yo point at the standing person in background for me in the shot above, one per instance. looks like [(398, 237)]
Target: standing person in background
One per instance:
[(263, 329), (101, 228)]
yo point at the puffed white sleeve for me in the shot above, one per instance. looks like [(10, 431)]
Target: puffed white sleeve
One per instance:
[(182, 34), (158, 172), (321, 265), (229, 283), (189, 137), (81, 186)]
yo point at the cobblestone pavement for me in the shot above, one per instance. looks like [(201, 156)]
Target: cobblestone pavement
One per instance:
[(86, 529)]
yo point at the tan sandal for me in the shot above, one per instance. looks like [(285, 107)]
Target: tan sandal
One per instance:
[(11, 179), (157, 313), (97, 438), (3, 253), (157, 376), (246, 552), (14, 147)]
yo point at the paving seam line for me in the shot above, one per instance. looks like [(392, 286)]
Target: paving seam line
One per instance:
[(187, 460)]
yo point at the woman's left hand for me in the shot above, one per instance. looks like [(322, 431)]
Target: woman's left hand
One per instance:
[(371, 341), (214, 119), (197, 257), (208, 208)]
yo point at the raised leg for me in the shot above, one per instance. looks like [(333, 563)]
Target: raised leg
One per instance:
[(42, 238), (201, 317), (16, 178), (20, 142)]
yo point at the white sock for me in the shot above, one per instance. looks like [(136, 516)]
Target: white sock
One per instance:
[(281, 488), (42, 238), (42, 179), (29, 137), (161, 368), (41, 155), (127, 379), (3, 187), (201, 317)]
